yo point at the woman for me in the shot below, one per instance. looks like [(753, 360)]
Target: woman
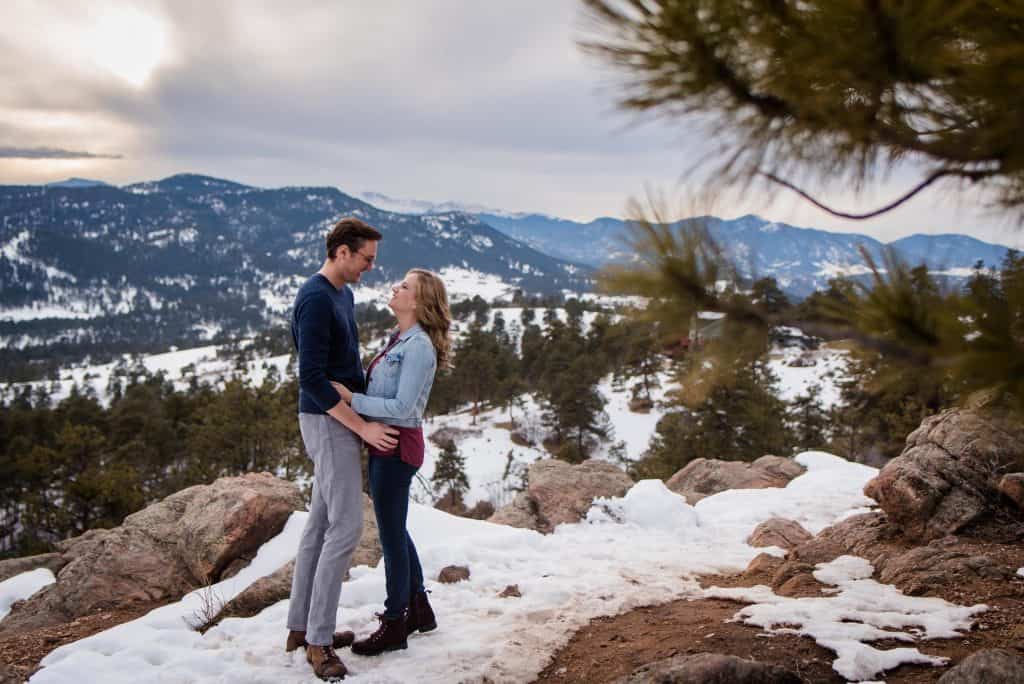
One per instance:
[(398, 386)]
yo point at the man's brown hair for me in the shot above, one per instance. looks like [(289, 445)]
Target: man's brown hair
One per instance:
[(352, 233)]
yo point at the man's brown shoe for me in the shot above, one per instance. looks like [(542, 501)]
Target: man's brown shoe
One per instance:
[(390, 636), (326, 664), (298, 640)]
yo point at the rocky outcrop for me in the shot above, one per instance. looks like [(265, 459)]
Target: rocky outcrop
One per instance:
[(15, 566), (710, 668), (861, 535), (939, 564), (948, 475), (703, 477), (277, 586), (559, 492), (914, 570), (991, 666), (786, 534), (163, 551)]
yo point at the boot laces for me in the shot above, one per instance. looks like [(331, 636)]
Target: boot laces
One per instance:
[(328, 652), (381, 629)]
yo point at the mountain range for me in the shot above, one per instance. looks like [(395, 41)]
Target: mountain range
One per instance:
[(800, 259), (86, 266), (89, 266)]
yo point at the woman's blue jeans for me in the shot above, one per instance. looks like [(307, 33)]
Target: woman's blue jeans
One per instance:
[(390, 479)]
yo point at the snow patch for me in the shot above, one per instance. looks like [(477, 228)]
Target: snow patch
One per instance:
[(22, 586), (861, 610)]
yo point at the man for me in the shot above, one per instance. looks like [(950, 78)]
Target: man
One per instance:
[(327, 340)]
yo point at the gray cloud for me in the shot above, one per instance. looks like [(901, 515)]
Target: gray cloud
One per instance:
[(51, 153), (489, 102)]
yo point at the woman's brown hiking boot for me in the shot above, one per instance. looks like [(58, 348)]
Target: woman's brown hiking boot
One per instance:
[(420, 617), (297, 639), (326, 664), (390, 636)]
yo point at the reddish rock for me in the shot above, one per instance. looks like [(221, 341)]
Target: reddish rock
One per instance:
[(277, 586), (560, 492), (452, 574), (923, 569), (861, 535), (511, 591), (948, 475), (785, 534), (763, 564), (147, 559), (231, 518), (990, 666), (703, 477)]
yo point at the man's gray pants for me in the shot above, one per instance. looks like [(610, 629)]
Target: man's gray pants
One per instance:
[(332, 530)]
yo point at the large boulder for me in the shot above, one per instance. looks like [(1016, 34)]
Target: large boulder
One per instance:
[(277, 586), (990, 666), (164, 550), (948, 475), (232, 518), (709, 668), (559, 492), (703, 477)]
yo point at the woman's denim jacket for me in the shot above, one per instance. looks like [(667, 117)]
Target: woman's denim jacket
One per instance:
[(400, 382)]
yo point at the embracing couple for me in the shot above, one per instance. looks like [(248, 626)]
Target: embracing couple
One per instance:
[(340, 408)]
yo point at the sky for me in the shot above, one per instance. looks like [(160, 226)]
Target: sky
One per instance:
[(490, 103)]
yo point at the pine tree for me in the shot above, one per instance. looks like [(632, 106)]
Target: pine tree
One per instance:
[(474, 373), (739, 418), (811, 425), (922, 80), (449, 478), (766, 294), (642, 363)]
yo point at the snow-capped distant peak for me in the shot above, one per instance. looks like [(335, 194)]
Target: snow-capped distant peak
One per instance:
[(417, 206), (77, 183)]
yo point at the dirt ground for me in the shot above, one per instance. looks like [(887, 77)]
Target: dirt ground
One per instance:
[(20, 653), (610, 648)]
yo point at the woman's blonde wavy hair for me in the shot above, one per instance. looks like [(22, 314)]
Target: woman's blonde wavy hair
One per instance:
[(432, 312)]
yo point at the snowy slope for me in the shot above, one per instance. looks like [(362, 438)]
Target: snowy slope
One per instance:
[(643, 548)]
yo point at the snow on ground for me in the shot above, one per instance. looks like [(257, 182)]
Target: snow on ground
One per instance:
[(22, 586), (860, 610), (809, 499), (611, 301), (179, 366), (643, 548), (799, 369)]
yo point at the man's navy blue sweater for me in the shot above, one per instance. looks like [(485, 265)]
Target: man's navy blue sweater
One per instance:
[(327, 341)]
